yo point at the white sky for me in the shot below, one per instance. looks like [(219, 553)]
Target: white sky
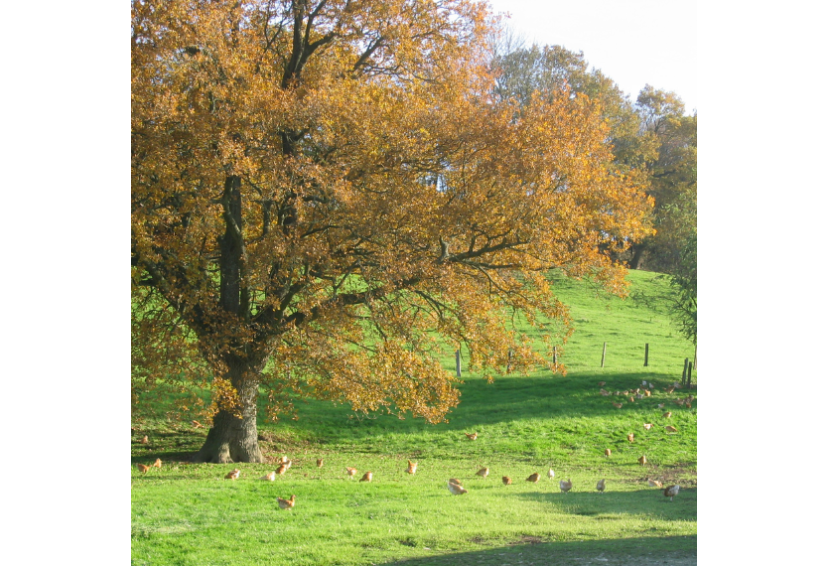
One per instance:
[(633, 42)]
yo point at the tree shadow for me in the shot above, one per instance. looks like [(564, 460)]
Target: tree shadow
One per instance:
[(537, 551), (507, 399), (614, 505)]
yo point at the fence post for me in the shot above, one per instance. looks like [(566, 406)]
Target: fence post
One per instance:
[(695, 363), (458, 363), (683, 378), (602, 365), (554, 356), (646, 362)]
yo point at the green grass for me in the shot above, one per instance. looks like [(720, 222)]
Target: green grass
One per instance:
[(189, 514)]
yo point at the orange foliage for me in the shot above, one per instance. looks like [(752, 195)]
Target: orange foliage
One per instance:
[(329, 187)]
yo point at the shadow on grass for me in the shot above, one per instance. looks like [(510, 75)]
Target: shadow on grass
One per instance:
[(614, 505), (535, 551), (507, 399)]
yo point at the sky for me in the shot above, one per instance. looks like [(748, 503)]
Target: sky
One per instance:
[(633, 42)]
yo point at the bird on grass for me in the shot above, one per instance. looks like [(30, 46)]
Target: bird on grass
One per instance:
[(282, 469), (604, 392), (143, 468), (483, 472), (533, 478), (145, 440), (642, 460), (285, 461), (667, 415), (506, 480), (551, 474), (233, 474), (411, 467), (157, 463), (565, 486), (455, 482), (647, 393), (671, 492), (351, 471), (272, 476), (661, 406), (319, 463), (601, 486), (367, 477), (631, 437), (616, 405), (472, 436), (601, 384), (455, 489), (655, 483), (671, 429), (286, 504), (648, 426), (607, 453)]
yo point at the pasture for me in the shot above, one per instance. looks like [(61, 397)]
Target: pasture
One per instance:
[(189, 514)]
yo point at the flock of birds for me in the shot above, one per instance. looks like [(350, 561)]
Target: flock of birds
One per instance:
[(454, 485)]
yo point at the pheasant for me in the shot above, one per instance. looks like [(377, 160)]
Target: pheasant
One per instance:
[(551, 474), (631, 437), (601, 486), (472, 436), (647, 393), (565, 486), (367, 477), (483, 472), (631, 399), (143, 468), (145, 440), (411, 467), (655, 483), (455, 489), (286, 462), (616, 405), (642, 460), (157, 463), (671, 492), (282, 469), (233, 474), (607, 453), (506, 480), (648, 426), (667, 415), (671, 429), (319, 463), (534, 478), (351, 471), (286, 504), (661, 406), (455, 482), (272, 476)]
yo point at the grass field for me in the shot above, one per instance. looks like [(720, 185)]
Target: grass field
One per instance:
[(185, 514)]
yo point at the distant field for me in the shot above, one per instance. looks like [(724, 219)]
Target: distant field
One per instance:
[(189, 514)]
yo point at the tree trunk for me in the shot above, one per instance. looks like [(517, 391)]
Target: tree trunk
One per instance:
[(233, 439), (637, 257)]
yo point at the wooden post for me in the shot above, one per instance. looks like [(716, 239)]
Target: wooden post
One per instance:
[(602, 365), (458, 363), (646, 362), (695, 364), (554, 356), (683, 378), (688, 374)]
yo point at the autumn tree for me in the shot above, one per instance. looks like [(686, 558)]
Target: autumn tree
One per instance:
[(324, 194)]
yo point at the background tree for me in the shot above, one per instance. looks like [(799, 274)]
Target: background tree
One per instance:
[(324, 193), (652, 138)]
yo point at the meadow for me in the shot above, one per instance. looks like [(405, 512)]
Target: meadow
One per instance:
[(189, 514)]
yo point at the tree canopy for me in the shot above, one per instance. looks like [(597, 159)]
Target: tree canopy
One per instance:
[(325, 194)]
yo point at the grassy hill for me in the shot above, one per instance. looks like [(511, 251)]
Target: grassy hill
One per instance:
[(190, 514)]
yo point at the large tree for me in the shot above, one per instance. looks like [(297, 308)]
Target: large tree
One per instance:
[(325, 193)]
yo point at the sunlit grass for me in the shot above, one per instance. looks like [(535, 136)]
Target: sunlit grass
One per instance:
[(189, 514)]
